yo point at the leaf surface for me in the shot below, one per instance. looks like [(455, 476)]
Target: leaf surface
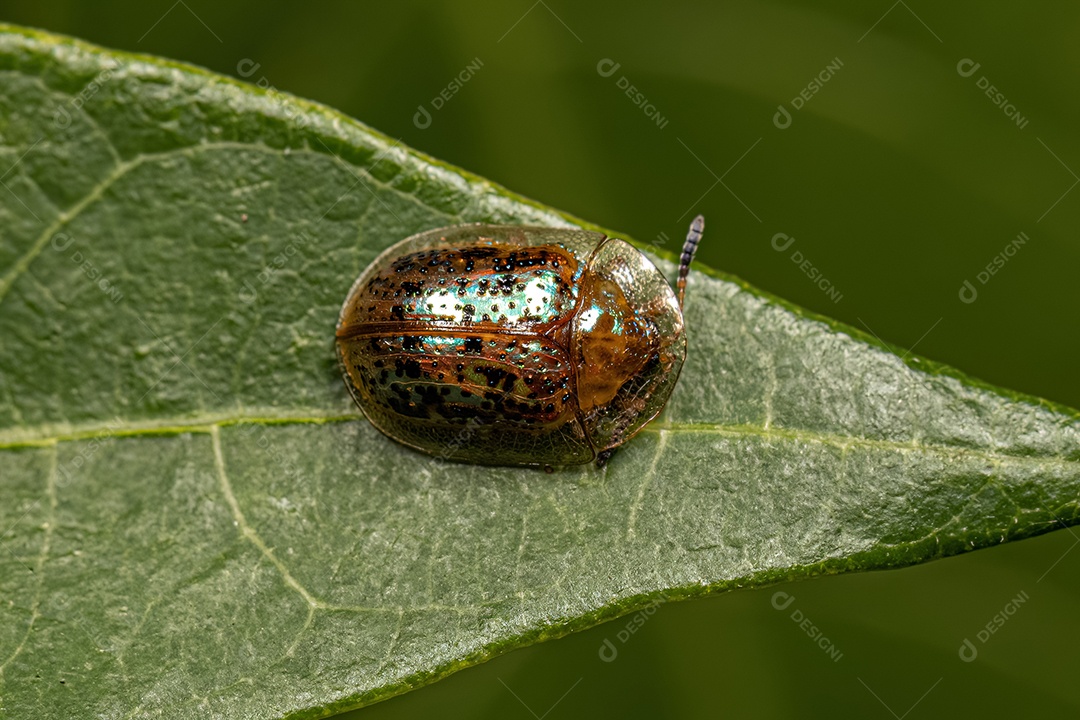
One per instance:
[(195, 519)]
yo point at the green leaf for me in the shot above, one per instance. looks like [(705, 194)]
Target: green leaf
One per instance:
[(196, 521)]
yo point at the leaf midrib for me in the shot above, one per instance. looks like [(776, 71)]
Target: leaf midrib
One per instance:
[(209, 425)]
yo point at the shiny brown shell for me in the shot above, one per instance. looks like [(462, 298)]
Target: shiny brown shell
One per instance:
[(511, 345)]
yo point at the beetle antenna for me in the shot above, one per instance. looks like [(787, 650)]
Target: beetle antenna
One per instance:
[(697, 227)]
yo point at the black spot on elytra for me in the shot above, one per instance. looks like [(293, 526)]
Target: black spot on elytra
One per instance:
[(411, 288), (429, 394), (479, 253), (412, 369), (397, 312), (494, 375), (524, 258), (453, 411), (410, 343), (408, 408), (474, 345)]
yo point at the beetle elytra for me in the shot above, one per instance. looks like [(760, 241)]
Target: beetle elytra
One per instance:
[(514, 345)]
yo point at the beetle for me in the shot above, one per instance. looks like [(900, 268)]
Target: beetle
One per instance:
[(514, 345)]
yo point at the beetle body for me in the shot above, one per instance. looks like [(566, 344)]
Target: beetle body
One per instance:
[(511, 345)]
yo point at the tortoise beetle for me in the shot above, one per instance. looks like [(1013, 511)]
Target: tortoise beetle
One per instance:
[(513, 345)]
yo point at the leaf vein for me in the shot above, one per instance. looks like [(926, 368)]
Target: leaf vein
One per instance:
[(39, 569), (247, 531)]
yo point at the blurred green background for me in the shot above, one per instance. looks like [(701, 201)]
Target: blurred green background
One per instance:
[(899, 179)]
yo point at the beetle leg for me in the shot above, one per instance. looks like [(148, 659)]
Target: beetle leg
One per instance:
[(697, 227), (603, 456)]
